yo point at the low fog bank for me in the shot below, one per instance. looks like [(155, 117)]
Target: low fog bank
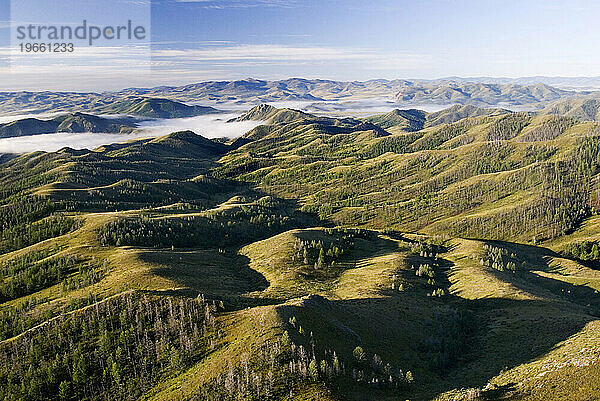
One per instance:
[(363, 107), (340, 108), (209, 126), (40, 116), (212, 126), (54, 142)]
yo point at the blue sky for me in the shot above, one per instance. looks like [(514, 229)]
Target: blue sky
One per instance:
[(196, 40)]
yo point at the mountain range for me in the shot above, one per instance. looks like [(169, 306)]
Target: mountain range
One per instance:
[(253, 91), (94, 103)]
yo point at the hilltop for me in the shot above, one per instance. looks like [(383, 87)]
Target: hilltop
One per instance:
[(584, 108), (416, 120), (131, 111), (158, 108), (449, 178), (275, 118), (75, 123), (442, 92), (106, 103)]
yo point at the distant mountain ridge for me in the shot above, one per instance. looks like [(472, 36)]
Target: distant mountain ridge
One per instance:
[(478, 94), (415, 120), (439, 92), (275, 118), (580, 83), (100, 103), (410, 120), (254, 91)]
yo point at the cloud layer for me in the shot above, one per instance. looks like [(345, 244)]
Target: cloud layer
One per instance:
[(214, 126), (101, 68)]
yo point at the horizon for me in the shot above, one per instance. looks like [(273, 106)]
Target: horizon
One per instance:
[(537, 79)]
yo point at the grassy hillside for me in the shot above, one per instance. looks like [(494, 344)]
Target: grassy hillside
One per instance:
[(157, 108), (586, 108), (312, 259), (459, 179), (415, 120), (406, 120), (75, 122)]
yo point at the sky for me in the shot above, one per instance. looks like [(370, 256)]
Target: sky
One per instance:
[(197, 40)]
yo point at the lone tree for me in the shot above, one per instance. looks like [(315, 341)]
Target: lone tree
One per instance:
[(313, 370), (359, 354)]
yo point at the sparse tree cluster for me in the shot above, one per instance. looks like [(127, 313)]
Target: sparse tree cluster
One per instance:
[(23, 316), (316, 254), (229, 227), (428, 253), (114, 349), (276, 368), (587, 251), (24, 279), (508, 126), (500, 259), (548, 130)]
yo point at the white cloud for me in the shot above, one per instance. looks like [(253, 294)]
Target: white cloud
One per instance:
[(240, 57), (212, 126), (54, 142), (284, 53), (111, 68), (222, 4)]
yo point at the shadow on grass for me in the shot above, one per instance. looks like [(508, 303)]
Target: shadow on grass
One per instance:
[(209, 272), (431, 338), (538, 259), (222, 273), (448, 342)]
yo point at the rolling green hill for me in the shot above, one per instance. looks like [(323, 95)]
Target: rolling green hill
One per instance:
[(422, 256), (75, 123), (274, 117), (585, 108), (157, 108), (416, 120), (407, 120), (416, 91), (459, 179), (80, 122), (106, 103), (458, 112)]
